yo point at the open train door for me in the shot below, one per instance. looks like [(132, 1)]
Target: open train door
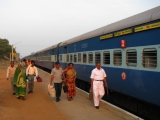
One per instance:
[(65, 56)]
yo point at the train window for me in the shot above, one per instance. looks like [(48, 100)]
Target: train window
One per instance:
[(67, 58), (84, 57), (75, 57), (97, 57), (90, 57), (131, 58), (117, 57), (60, 58), (71, 58), (106, 57), (49, 58), (149, 59), (79, 57), (55, 58)]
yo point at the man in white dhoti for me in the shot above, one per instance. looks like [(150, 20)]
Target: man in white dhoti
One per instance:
[(98, 75)]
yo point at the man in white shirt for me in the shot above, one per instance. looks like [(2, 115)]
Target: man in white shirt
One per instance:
[(10, 75), (98, 75), (31, 72), (56, 77)]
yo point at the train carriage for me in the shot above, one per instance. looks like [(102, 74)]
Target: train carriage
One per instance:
[(129, 52)]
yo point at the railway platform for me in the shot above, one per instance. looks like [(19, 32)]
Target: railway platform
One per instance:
[(40, 106), (81, 108)]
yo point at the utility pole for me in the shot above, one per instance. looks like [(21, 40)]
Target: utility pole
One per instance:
[(12, 49)]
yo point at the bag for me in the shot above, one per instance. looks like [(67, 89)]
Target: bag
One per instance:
[(91, 94), (35, 79), (39, 79), (29, 79), (65, 88), (105, 88), (51, 90)]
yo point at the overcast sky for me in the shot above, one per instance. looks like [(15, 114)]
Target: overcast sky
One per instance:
[(42, 23)]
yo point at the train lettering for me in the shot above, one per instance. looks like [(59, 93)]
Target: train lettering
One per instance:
[(85, 45)]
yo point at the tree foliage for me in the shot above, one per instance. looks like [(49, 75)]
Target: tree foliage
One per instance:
[(5, 48)]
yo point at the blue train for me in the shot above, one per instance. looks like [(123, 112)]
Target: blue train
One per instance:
[(129, 52)]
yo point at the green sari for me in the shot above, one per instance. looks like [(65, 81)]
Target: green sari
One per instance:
[(20, 82)]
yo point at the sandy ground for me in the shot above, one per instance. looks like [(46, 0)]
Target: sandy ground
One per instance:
[(37, 106), (40, 106)]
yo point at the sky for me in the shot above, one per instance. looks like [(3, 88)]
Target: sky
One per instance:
[(32, 25)]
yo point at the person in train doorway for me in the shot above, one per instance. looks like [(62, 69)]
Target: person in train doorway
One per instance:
[(10, 76), (28, 62), (31, 72), (98, 78), (56, 77), (70, 78)]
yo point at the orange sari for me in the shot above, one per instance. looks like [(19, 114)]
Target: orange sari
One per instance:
[(70, 82)]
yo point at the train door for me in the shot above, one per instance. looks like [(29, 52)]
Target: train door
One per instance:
[(65, 57), (57, 52)]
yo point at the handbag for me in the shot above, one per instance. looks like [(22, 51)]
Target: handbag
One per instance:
[(39, 79), (65, 88), (105, 88), (90, 94), (51, 90)]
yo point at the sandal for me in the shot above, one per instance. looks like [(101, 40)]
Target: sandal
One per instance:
[(23, 98), (69, 99), (19, 97)]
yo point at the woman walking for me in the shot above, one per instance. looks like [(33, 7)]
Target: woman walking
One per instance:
[(20, 82), (70, 77)]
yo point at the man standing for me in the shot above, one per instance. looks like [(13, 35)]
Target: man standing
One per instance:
[(56, 77), (31, 72), (10, 75), (98, 75)]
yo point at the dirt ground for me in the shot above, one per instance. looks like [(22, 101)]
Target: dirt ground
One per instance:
[(37, 106)]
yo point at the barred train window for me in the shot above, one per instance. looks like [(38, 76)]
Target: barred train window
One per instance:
[(117, 61), (84, 57), (49, 58), (106, 57), (79, 57), (90, 57), (149, 58), (55, 58), (60, 58), (67, 58), (75, 57), (97, 57), (71, 58), (131, 57)]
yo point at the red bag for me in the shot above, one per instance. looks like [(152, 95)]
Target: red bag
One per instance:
[(39, 79)]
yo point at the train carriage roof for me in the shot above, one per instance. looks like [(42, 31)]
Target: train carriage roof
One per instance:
[(144, 17)]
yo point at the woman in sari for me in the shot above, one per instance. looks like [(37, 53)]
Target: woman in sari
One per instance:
[(70, 77), (20, 82)]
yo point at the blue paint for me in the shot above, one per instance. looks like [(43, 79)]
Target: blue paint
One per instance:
[(141, 84)]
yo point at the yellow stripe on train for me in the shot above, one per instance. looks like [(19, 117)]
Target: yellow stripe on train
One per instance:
[(147, 27)]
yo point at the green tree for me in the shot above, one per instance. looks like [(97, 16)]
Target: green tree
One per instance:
[(5, 48)]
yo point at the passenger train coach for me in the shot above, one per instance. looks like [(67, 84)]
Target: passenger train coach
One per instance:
[(128, 50)]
